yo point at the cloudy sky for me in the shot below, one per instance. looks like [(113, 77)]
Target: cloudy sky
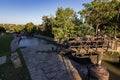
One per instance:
[(23, 11)]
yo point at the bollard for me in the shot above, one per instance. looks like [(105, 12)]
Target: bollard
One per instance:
[(16, 60), (98, 72)]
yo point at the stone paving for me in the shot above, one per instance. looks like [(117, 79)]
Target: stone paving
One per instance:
[(2, 59), (44, 66)]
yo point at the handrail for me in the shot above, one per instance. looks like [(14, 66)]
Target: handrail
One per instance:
[(90, 45)]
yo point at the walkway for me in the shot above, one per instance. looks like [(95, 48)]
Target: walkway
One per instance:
[(44, 64)]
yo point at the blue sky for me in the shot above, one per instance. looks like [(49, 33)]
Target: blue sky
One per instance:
[(23, 11)]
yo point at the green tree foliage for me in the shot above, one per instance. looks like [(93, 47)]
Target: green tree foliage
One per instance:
[(7, 27), (2, 29), (13, 27), (30, 28), (77, 21), (63, 26), (16, 28), (99, 12), (47, 26), (85, 29), (19, 28)]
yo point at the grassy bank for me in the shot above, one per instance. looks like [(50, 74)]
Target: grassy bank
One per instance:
[(7, 70), (5, 44)]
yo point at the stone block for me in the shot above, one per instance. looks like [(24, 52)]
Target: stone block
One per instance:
[(2, 59), (16, 60)]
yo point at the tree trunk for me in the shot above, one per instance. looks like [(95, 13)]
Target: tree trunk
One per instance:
[(119, 58), (97, 29), (115, 31)]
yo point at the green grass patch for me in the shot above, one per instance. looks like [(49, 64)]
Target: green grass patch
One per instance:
[(7, 70), (5, 44)]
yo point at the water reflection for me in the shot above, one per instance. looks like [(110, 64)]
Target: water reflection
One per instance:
[(30, 41)]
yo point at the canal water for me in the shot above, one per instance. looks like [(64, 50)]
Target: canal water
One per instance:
[(30, 41)]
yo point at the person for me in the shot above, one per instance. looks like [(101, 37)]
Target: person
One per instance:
[(52, 48)]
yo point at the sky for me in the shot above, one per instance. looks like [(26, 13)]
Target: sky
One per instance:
[(24, 11)]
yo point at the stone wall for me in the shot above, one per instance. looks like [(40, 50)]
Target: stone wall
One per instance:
[(15, 42)]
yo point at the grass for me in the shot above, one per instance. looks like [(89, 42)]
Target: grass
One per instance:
[(5, 44), (7, 70)]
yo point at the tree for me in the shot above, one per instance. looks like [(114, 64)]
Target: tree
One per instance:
[(63, 26), (99, 12), (47, 24), (77, 21), (114, 22), (2, 29), (30, 28), (85, 29)]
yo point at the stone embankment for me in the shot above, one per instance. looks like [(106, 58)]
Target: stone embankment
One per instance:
[(15, 42)]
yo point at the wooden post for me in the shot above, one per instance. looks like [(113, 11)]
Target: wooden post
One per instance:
[(97, 29), (119, 58), (99, 58), (107, 46), (115, 44), (98, 73)]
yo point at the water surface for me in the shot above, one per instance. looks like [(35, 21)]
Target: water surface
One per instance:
[(30, 41)]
